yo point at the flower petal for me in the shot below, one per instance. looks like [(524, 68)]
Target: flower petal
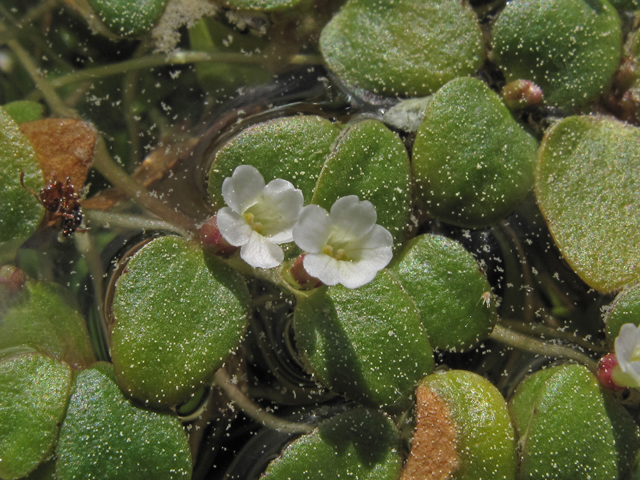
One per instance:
[(323, 267), (311, 231), (374, 251), (351, 219), (627, 341), (233, 227), (260, 252), (242, 189), (278, 209)]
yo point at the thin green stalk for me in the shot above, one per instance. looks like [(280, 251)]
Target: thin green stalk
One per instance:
[(533, 345), (134, 222), (175, 58), (253, 410), (540, 329)]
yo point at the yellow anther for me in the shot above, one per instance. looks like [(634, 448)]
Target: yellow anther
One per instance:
[(338, 255), (250, 218)]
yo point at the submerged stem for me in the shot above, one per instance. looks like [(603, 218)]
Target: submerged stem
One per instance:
[(533, 345), (222, 380), (137, 222)]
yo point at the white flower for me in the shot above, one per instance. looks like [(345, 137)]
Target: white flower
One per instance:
[(258, 216), (627, 348), (344, 246)]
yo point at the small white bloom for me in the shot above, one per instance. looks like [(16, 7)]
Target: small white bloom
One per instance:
[(344, 246), (259, 217), (627, 348)]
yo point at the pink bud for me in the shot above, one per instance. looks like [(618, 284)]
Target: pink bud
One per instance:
[(521, 93), (213, 241), (605, 369), (12, 278), (300, 276)]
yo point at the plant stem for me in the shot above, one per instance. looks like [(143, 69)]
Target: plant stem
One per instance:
[(135, 222), (540, 329), (224, 382), (533, 345), (175, 58)]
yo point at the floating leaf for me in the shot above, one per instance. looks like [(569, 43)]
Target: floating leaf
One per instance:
[(291, 148), (20, 212), (624, 309), (24, 111), (402, 47), (360, 444), (64, 148), (569, 48), (128, 17), (34, 391), (370, 161), (367, 343), (449, 289), (45, 318), (571, 428), (105, 436), (176, 321), (463, 428), (588, 189), (472, 162)]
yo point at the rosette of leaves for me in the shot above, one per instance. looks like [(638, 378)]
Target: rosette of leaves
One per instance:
[(569, 48), (569, 426)]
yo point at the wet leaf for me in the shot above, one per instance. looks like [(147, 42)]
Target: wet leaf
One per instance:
[(24, 111), (64, 148), (571, 427), (291, 148), (624, 309), (588, 189), (370, 161), (485, 447), (176, 320), (34, 391), (449, 289), (20, 212), (472, 162), (367, 344), (44, 317), (402, 47), (570, 48), (105, 436), (128, 17), (360, 444)]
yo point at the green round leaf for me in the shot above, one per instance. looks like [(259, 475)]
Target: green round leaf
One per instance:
[(588, 189), (572, 428), (449, 289), (20, 212), (472, 162), (402, 47), (34, 391), (105, 436), (176, 321), (370, 161), (367, 343), (45, 318), (291, 148), (485, 440), (569, 48), (361, 444), (624, 309), (128, 17), (24, 111)]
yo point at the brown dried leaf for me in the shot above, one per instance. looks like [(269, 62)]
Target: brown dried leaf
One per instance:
[(433, 448), (64, 148)]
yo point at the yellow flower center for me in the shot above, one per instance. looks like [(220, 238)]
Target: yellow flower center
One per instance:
[(339, 254), (257, 226)]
